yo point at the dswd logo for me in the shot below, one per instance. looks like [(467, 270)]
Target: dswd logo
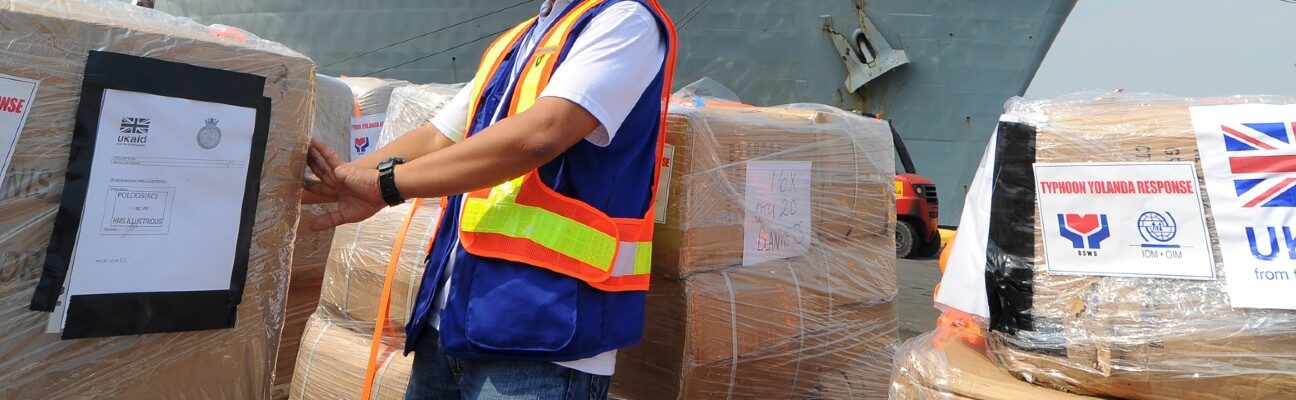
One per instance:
[(1085, 231), (361, 145)]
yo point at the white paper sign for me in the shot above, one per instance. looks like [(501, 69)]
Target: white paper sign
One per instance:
[(164, 201), (776, 223), (364, 134), (1248, 154), (1124, 219), (16, 97), (663, 184)]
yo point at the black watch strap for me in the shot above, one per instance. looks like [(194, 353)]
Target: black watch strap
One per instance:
[(387, 181)]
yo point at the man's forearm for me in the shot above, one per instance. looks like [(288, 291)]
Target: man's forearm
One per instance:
[(417, 143), (506, 150)]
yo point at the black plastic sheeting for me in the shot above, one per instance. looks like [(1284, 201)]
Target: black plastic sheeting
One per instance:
[(1010, 250), (137, 313)]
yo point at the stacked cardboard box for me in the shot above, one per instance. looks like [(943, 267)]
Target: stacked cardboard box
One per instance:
[(49, 42), (816, 322), (1139, 338), (333, 108)]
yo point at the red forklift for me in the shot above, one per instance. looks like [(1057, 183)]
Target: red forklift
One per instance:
[(917, 208)]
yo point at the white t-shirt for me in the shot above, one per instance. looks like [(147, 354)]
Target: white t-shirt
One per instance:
[(611, 63)]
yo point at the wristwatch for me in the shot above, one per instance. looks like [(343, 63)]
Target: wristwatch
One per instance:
[(387, 181)]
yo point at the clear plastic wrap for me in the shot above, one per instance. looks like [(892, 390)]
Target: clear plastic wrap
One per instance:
[(333, 107), (413, 106), (1139, 338), (794, 311), (372, 94), (934, 366), (335, 348), (49, 41)]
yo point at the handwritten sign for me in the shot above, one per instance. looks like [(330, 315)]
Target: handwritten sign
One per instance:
[(777, 208)]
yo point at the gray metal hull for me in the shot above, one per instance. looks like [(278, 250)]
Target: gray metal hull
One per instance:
[(966, 58)]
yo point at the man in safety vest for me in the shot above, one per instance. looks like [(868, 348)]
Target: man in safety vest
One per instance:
[(549, 159)]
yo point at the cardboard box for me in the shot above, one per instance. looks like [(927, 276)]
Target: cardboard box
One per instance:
[(50, 41), (358, 261), (924, 371), (333, 107), (756, 333), (333, 361), (850, 191), (1140, 338)]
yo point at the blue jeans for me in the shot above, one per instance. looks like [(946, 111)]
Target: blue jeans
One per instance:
[(439, 376)]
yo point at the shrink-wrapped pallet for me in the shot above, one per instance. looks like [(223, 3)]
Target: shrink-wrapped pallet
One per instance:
[(774, 257), (1126, 337), (834, 167), (333, 107), (50, 41), (414, 106)]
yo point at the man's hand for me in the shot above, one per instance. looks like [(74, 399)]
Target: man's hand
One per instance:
[(354, 189)]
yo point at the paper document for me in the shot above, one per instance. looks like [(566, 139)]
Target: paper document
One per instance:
[(163, 205)]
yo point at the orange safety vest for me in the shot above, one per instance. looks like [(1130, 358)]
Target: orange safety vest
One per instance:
[(525, 221)]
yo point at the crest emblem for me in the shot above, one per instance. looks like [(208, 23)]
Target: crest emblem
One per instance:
[(209, 136)]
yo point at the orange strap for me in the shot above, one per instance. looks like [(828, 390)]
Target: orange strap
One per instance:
[(384, 303)]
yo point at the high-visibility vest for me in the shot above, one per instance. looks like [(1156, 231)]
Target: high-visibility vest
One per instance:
[(525, 221)]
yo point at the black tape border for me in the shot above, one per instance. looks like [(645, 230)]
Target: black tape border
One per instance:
[(1010, 249), (137, 313)]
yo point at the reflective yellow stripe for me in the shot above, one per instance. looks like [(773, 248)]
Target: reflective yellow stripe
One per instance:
[(500, 214), (489, 61), (546, 54), (643, 258)]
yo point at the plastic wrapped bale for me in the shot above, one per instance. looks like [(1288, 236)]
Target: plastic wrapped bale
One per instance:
[(357, 263), (348, 308), (372, 95), (333, 108), (1126, 337), (332, 363), (774, 269), (50, 42), (929, 367), (413, 106)]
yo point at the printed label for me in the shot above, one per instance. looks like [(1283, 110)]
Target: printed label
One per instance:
[(663, 184), (364, 134), (1248, 155), (16, 97), (1124, 219)]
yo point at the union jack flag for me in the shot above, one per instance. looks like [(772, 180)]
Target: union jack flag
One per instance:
[(1262, 157), (135, 125)]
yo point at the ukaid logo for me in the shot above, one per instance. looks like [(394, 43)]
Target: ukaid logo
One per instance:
[(1085, 231), (1123, 219), (133, 131), (1248, 154)]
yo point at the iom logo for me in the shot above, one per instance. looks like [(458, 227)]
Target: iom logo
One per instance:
[(361, 145), (1085, 231), (1158, 229)]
